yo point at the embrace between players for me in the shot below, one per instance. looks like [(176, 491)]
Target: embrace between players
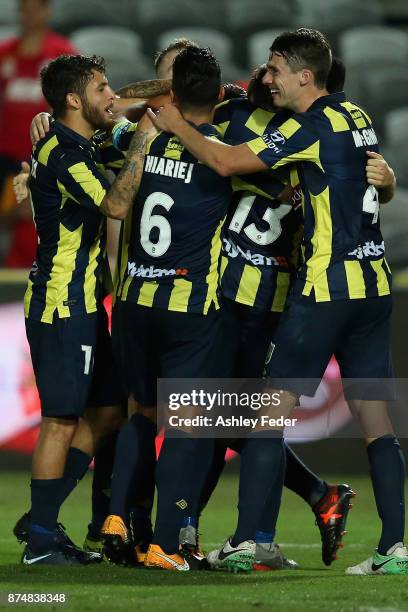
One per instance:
[(235, 280)]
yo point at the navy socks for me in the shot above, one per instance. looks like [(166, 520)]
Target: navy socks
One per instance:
[(262, 464), (181, 470), (388, 479), (134, 464), (301, 480), (101, 482)]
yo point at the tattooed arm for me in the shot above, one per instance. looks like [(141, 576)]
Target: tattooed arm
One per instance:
[(145, 89), (119, 198)]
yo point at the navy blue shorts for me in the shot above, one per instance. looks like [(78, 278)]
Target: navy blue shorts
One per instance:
[(356, 332), (159, 343), (73, 364), (250, 333)]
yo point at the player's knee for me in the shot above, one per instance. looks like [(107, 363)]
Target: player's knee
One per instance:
[(59, 427), (134, 407), (104, 420)]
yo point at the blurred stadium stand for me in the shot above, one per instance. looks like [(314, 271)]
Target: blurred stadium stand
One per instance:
[(258, 42), (121, 48), (373, 45), (68, 16), (220, 43), (334, 16), (396, 129), (7, 31), (385, 89), (152, 17), (371, 37), (241, 22), (8, 11)]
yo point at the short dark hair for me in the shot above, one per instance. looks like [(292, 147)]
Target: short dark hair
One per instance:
[(196, 78), (178, 44), (337, 76), (305, 48), (68, 74)]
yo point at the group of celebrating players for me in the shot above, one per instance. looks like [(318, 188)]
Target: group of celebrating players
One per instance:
[(250, 247)]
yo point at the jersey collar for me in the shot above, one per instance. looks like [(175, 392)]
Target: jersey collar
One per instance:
[(72, 135), (337, 97)]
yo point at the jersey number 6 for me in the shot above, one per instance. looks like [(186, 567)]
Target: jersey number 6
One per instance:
[(150, 221)]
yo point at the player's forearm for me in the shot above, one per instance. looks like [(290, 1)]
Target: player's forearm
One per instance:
[(214, 154), (121, 105), (145, 89), (385, 194), (119, 199)]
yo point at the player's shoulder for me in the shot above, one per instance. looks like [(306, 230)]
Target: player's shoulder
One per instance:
[(227, 108), (233, 103), (61, 147), (209, 130), (355, 110), (303, 124), (337, 113)]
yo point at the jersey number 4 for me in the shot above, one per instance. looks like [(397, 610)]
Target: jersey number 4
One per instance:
[(272, 216)]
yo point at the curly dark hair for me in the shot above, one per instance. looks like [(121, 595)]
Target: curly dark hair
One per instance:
[(232, 91), (68, 74)]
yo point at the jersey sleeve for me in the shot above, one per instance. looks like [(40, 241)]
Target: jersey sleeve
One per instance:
[(110, 157), (122, 134), (293, 141), (265, 184), (222, 116), (79, 179)]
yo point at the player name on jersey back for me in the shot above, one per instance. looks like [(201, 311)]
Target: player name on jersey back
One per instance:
[(169, 167)]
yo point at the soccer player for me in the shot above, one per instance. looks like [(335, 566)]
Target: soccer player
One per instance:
[(342, 292), (141, 500), (65, 322), (261, 243), (168, 295)]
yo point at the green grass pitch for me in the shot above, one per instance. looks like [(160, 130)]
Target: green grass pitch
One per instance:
[(107, 587)]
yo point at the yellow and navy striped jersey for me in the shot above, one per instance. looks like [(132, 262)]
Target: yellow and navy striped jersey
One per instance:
[(343, 246), (173, 237), (262, 235), (66, 189)]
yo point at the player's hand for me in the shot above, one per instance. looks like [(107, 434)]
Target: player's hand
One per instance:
[(20, 183), (40, 125), (167, 118), (287, 194), (147, 127), (378, 172)]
